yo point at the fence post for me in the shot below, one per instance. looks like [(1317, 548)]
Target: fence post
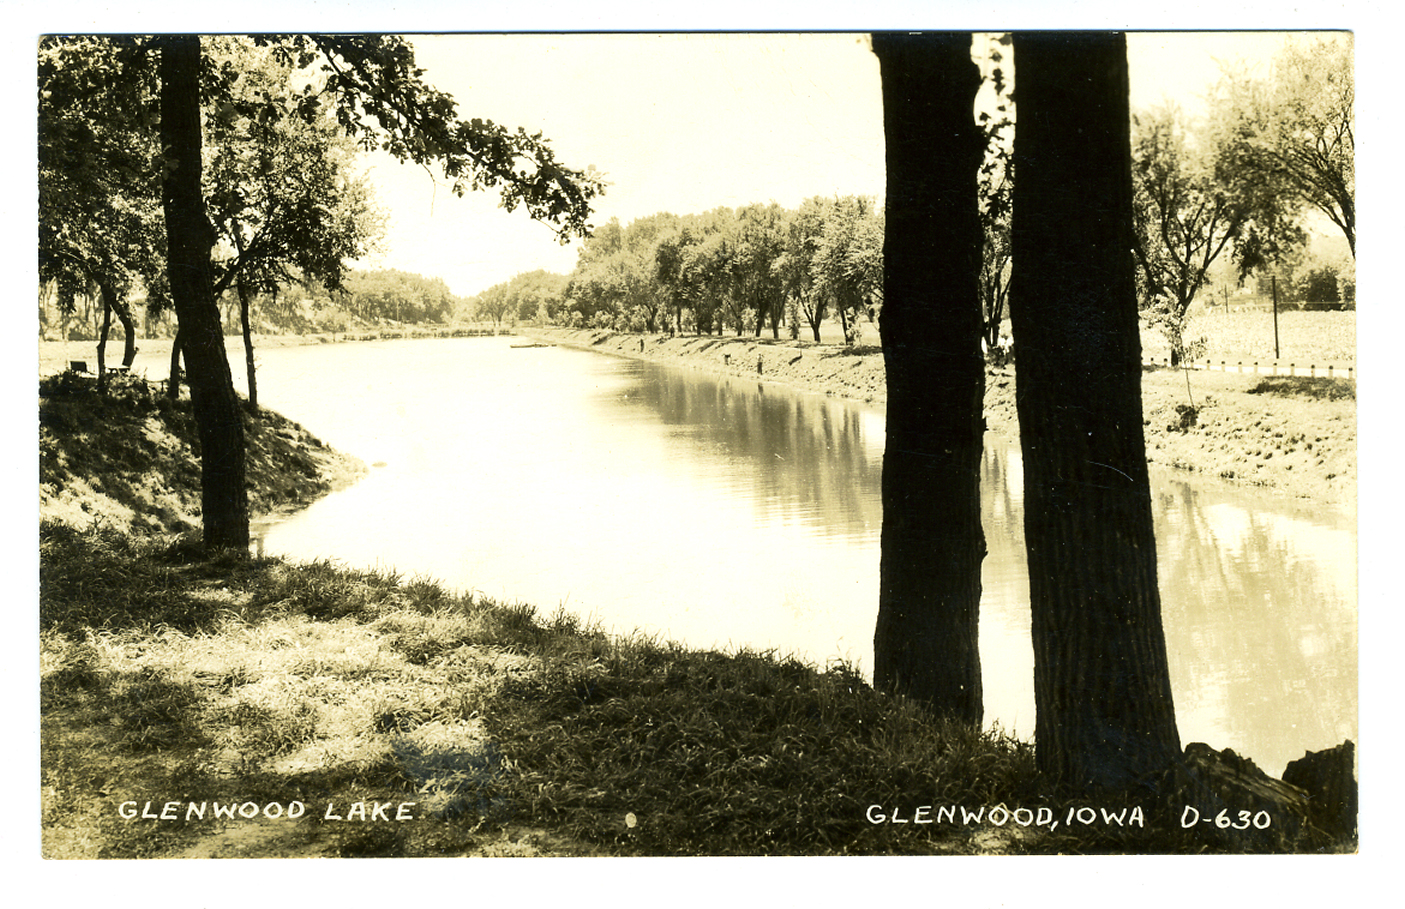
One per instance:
[(1276, 354)]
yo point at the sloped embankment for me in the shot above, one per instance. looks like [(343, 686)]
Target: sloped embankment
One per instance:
[(100, 450)]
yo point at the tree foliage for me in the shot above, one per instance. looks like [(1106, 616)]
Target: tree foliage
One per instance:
[(391, 295), (281, 189), (795, 266), (100, 221), (380, 97), (759, 234), (995, 187), (744, 269), (847, 267), (1190, 209), (531, 296), (1297, 127)]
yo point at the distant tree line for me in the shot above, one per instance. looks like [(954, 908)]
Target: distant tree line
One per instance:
[(752, 269), (297, 305)]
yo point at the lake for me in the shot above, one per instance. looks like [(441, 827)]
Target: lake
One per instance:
[(725, 513)]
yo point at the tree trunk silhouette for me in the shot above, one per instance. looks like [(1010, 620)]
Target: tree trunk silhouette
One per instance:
[(248, 344), (220, 424), (173, 384), (113, 304), (1103, 710), (129, 330), (925, 644), (106, 293)]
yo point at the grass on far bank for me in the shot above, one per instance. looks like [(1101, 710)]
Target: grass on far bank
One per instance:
[(169, 676)]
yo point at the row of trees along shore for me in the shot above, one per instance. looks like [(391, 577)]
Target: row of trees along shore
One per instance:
[(129, 195)]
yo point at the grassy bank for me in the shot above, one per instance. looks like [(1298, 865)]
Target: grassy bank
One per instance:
[(125, 456), (170, 681)]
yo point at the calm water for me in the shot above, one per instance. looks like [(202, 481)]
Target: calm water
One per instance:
[(721, 512)]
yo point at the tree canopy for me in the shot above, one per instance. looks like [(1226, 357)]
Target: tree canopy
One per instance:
[(282, 191), (1298, 126), (1191, 207), (743, 268), (99, 163), (380, 98)]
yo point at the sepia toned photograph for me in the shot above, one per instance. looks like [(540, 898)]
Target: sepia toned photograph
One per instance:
[(564, 444)]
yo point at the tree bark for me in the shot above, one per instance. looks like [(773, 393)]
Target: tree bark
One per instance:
[(106, 293), (173, 384), (1104, 716), (189, 236), (129, 330), (925, 644), (248, 344)]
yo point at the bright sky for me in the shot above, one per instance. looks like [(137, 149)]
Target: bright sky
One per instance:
[(685, 123), (680, 123)]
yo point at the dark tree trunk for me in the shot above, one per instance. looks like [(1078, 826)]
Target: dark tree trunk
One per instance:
[(129, 330), (173, 384), (107, 297), (1103, 711), (189, 238), (816, 319), (932, 546), (248, 344)]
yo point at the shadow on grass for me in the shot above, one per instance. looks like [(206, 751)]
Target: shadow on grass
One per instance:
[(488, 716), (1318, 388)]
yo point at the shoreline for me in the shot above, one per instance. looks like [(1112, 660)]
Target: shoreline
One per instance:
[(1295, 436), (1292, 435)]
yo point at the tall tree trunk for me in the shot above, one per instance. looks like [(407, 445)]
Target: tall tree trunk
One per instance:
[(129, 330), (925, 644), (189, 238), (106, 293), (1103, 711), (816, 317), (248, 344), (173, 384)]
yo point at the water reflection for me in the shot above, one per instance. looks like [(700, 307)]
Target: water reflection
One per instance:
[(799, 457), (724, 512), (1260, 609)]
